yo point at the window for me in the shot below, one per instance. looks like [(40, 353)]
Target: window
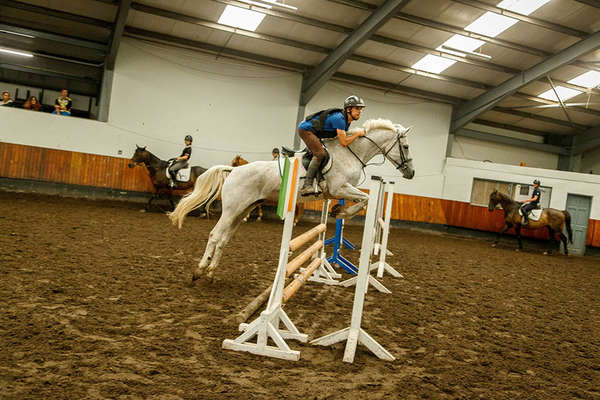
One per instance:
[(480, 193)]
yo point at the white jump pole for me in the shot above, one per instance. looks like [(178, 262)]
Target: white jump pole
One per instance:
[(354, 334), (379, 230), (384, 225)]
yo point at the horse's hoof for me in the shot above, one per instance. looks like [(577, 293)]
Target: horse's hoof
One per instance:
[(517, 250), (143, 210), (258, 219), (195, 276), (494, 245), (546, 253), (335, 210)]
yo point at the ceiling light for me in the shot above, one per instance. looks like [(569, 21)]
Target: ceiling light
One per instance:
[(563, 92), (465, 53), (431, 63), (16, 53), (491, 24), (241, 18), (589, 79), (16, 33), (275, 3), (524, 7), (463, 43)]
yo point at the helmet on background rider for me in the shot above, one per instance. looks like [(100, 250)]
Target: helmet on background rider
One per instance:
[(536, 182), (189, 137)]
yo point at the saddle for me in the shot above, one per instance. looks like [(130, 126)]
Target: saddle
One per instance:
[(307, 155), (534, 215), (183, 175)]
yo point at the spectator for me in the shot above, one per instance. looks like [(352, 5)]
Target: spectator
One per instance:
[(6, 100), (63, 104), (33, 104), (275, 153)]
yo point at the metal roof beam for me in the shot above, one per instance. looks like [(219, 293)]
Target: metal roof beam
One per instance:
[(54, 37), (55, 13), (509, 127), (491, 137), (591, 3), (469, 111), (588, 141), (315, 80), (531, 20), (538, 117), (117, 33)]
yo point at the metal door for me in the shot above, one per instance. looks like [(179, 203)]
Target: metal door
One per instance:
[(579, 208)]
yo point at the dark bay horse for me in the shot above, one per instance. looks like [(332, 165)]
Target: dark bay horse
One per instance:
[(157, 169), (551, 218)]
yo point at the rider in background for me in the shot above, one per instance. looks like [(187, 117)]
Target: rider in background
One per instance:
[(181, 161), (532, 203), (275, 153), (334, 123)]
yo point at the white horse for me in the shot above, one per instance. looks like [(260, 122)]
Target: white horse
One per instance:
[(243, 188)]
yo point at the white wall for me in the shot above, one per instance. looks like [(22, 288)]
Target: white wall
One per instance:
[(160, 94), (459, 176), (427, 139), (590, 161)]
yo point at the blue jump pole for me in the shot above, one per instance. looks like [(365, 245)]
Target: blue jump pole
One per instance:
[(338, 241)]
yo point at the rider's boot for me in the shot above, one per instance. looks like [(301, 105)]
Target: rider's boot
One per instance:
[(172, 183), (308, 188), (525, 220)]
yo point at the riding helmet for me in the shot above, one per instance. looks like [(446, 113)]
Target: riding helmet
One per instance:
[(354, 101), (189, 137), (536, 182)]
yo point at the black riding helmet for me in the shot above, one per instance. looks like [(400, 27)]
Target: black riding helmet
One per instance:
[(536, 182), (189, 137)]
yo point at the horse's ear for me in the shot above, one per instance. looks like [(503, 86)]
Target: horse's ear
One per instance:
[(143, 148), (137, 147)]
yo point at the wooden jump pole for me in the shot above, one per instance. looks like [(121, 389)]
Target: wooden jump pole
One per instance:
[(300, 240), (297, 283), (303, 257)]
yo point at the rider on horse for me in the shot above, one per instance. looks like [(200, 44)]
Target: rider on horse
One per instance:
[(532, 203), (181, 161), (324, 124)]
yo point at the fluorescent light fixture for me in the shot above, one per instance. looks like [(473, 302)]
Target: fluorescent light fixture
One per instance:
[(241, 18), (256, 3), (589, 79), (491, 24), (464, 53), (431, 63), (524, 7), (15, 52), (275, 3), (463, 46), (564, 93), (16, 33)]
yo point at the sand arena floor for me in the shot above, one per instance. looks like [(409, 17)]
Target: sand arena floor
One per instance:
[(96, 304)]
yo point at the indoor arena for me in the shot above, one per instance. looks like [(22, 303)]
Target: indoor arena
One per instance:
[(285, 199)]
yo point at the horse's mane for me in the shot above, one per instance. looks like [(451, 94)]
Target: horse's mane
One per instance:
[(381, 123)]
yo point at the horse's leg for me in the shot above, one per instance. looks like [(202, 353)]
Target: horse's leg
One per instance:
[(507, 226), (518, 232), (552, 239), (299, 212), (563, 238), (224, 238), (260, 213), (349, 192), (171, 200)]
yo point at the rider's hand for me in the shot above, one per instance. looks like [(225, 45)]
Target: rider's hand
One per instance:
[(362, 133)]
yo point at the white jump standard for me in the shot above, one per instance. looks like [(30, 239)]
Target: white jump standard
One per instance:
[(267, 325), (354, 334), (382, 230)]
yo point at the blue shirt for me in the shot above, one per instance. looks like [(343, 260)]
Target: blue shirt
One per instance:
[(334, 121)]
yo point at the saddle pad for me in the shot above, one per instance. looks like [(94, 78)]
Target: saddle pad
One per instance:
[(183, 175), (534, 215)]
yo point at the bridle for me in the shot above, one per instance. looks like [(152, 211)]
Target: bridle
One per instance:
[(403, 160)]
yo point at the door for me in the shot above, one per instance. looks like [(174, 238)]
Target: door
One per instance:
[(579, 208)]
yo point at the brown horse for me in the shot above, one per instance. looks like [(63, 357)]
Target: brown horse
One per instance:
[(551, 218), (238, 161), (157, 169)]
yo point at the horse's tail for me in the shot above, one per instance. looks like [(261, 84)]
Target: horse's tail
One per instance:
[(206, 190), (568, 223)]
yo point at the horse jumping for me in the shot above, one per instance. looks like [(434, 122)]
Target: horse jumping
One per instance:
[(158, 171), (551, 218), (242, 188)]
